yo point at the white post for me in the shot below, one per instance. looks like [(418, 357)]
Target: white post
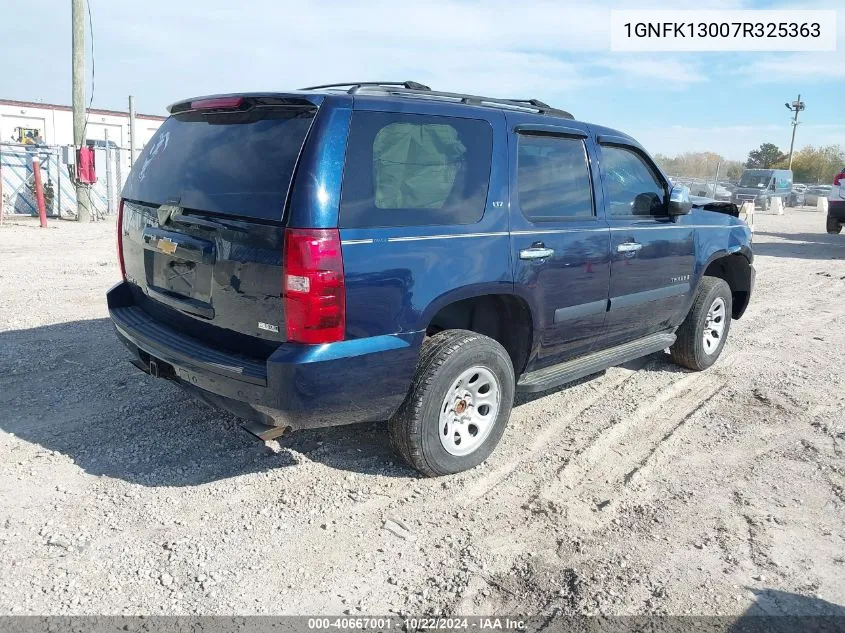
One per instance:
[(777, 205), (746, 212), (109, 179), (132, 143)]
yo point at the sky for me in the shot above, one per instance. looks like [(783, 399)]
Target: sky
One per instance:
[(557, 51)]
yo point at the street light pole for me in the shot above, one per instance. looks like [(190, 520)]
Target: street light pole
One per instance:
[(796, 106)]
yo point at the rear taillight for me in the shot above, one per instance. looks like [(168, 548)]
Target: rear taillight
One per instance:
[(313, 290), (120, 240), (839, 179)]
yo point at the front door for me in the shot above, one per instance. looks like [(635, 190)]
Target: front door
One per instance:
[(559, 244), (653, 254)]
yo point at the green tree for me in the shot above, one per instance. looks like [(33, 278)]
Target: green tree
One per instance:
[(817, 165), (699, 165), (766, 157), (734, 170)]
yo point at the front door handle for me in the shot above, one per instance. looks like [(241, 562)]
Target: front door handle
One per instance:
[(628, 247), (536, 252)]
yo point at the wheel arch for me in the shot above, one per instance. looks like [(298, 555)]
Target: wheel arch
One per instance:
[(736, 270), (503, 316)]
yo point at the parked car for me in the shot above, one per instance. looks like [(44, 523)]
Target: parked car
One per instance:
[(797, 196), (365, 252), (761, 185), (720, 192), (836, 203), (814, 193)]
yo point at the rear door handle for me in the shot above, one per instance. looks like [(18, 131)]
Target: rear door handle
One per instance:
[(628, 247), (536, 252)]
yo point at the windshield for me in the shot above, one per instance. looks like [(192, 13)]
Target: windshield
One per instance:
[(758, 178), (234, 164)]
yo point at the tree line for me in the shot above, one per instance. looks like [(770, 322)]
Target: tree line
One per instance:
[(810, 164)]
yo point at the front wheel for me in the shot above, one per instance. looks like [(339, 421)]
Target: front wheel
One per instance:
[(833, 226), (458, 406), (702, 335)]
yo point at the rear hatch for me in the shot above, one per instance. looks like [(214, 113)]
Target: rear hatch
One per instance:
[(202, 216)]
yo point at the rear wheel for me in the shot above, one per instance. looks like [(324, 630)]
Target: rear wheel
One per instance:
[(458, 405), (833, 226), (703, 333)]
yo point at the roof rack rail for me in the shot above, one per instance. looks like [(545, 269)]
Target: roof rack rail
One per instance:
[(535, 102), (355, 85), (517, 104), (414, 89)]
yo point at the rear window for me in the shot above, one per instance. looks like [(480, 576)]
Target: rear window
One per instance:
[(411, 169), (553, 178), (234, 163)]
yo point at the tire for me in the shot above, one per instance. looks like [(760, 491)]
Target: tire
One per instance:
[(424, 431), (833, 226), (765, 204), (690, 349)]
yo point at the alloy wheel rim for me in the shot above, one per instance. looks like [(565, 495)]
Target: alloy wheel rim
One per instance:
[(468, 412), (714, 325)]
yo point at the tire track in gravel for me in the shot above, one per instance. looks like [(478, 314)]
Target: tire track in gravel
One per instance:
[(654, 430), (542, 440), (600, 475)]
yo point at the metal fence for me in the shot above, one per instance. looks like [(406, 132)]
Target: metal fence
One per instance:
[(18, 182)]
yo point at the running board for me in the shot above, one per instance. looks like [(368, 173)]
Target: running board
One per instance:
[(557, 375)]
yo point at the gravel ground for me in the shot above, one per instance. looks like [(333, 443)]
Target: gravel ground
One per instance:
[(646, 489)]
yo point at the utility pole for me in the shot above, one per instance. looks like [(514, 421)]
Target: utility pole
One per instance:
[(796, 106), (83, 198), (131, 130)]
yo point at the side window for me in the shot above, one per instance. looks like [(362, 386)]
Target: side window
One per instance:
[(553, 178), (632, 187), (411, 169)]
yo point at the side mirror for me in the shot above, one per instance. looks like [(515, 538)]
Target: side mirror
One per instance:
[(679, 202)]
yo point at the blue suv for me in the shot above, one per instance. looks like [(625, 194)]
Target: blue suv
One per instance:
[(374, 251)]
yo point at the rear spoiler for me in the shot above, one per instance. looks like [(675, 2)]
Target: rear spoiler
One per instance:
[(244, 101)]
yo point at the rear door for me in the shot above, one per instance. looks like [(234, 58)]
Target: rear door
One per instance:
[(559, 243), (422, 216), (653, 254), (202, 221)]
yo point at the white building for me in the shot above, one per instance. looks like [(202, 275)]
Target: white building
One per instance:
[(54, 124)]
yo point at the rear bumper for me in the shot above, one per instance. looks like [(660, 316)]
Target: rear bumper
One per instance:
[(298, 386)]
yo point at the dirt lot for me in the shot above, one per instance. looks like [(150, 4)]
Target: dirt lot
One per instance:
[(646, 489)]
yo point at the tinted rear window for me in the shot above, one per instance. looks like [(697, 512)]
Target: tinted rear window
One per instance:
[(232, 164), (412, 169), (553, 178)]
